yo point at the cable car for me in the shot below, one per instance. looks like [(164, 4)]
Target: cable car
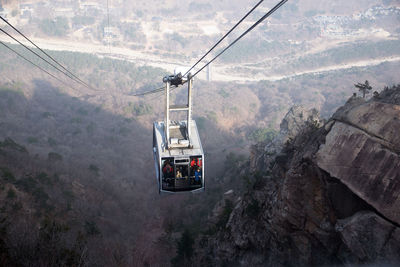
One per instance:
[(177, 150)]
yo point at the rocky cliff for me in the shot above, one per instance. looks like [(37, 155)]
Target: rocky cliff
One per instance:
[(329, 197)]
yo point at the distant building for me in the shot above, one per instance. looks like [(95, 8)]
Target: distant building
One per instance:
[(26, 10), (111, 33), (3, 12), (64, 12), (91, 8)]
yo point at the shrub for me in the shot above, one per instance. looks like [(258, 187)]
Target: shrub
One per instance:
[(253, 209), (7, 175), (56, 27), (9, 143), (223, 93), (46, 115), (44, 178), (11, 194), (40, 196), (83, 112), (224, 217), (76, 120), (83, 20), (91, 228), (184, 249), (93, 168), (32, 140), (212, 116), (28, 184), (51, 142), (262, 135), (16, 206), (91, 127), (54, 157), (68, 194), (142, 109)]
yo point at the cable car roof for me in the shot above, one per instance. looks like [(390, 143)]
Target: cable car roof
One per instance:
[(184, 151)]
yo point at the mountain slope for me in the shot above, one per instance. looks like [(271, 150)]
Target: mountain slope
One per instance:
[(329, 197)]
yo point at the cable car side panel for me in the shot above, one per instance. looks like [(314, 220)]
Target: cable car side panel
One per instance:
[(178, 169)]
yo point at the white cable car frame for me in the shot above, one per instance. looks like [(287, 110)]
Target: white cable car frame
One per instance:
[(177, 149)]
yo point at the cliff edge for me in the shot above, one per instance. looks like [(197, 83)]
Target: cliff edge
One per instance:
[(329, 197)]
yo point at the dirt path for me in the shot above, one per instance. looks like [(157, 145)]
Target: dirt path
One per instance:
[(220, 72), (258, 77)]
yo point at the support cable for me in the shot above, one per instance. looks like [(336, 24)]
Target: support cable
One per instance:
[(212, 48), (150, 92), (55, 61), (243, 34), (108, 23), (276, 7), (38, 66)]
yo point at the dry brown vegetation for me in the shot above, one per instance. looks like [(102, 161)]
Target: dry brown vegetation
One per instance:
[(76, 171), (81, 161)]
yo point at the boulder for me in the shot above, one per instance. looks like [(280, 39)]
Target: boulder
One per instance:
[(370, 238), (362, 151)]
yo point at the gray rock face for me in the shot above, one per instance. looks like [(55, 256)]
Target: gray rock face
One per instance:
[(332, 198), (370, 238), (363, 151), (295, 120), (363, 163)]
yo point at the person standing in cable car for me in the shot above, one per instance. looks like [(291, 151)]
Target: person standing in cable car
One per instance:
[(197, 174), (167, 170), (196, 162), (193, 163), (193, 166)]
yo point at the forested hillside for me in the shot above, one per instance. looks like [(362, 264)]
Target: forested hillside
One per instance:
[(77, 179)]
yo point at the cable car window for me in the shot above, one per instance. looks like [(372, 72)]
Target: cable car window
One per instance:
[(182, 161), (182, 171), (168, 168), (196, 169)]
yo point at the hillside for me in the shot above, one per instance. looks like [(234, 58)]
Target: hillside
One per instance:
[(77, 180), (95, 142), (302, 37), (329, 197)]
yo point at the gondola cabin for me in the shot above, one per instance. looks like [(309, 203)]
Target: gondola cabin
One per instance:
[(179, 168), (178, 154)]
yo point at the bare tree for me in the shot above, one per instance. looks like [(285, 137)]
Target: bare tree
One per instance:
[(364, 87)]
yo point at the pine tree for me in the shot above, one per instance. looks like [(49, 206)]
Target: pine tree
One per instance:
[(364, 87)]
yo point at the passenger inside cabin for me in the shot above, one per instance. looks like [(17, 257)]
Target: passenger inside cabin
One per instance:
[(168, 170), (197, 174), (194, 164), (179, 173)]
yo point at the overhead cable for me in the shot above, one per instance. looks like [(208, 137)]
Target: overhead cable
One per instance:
[(212, 48), (51, 64), (226, 48), (243, 34), (150, 92), (108, 23), (77, 79), (38, 66)]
